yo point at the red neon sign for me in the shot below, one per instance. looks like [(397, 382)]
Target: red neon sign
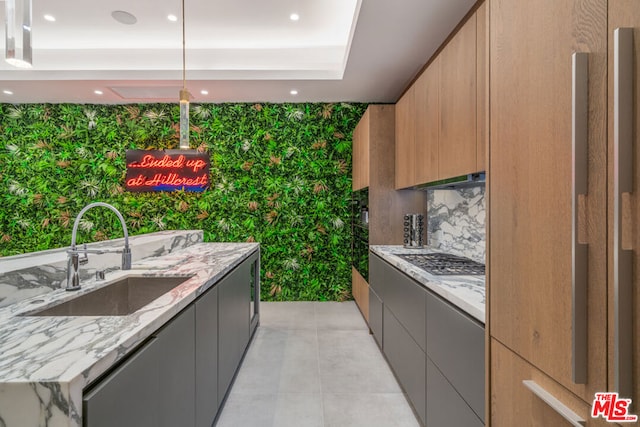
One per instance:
[(167, 170)]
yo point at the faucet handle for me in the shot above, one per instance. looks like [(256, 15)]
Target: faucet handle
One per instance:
[(85, 257), (126, 258)]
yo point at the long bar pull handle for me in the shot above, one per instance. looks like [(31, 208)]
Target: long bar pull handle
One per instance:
[(566, 413), (623, 183), (579, 188)]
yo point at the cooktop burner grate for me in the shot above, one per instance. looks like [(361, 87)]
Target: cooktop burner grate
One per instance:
[(444, 264)]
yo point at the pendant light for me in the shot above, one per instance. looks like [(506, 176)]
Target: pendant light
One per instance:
[(184, 95), (18, 33)]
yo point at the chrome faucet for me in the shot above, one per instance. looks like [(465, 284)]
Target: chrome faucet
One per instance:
[(73, 254)]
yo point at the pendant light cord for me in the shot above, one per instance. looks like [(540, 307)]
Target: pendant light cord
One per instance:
[(184, 55)]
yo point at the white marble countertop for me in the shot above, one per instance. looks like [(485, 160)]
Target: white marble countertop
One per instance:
[(45, 362), (465, 292)]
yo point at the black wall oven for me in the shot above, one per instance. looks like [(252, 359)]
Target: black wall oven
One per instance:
[(360, 230)]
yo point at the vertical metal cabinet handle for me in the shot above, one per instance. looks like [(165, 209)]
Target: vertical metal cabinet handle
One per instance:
[(566, 413), (623, 183), (579, 187)]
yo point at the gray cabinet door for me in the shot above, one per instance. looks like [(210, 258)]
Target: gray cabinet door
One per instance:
[(404, 297), (128, 397), (375, 316), (455, 344), (207, 358), (407, 361), (176, 401), (153, 387), (234, 293), (445, 407), (378, 276)]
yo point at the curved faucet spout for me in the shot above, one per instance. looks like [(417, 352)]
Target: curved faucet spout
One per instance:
[(73, 280), (76, 223)]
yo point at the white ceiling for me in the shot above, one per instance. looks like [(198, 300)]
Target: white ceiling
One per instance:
[(238, 50)]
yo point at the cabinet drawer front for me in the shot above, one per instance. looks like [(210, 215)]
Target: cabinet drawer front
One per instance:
[(455, 343), (407, 361), (176, 370), (405, 298), (377, 275), (445, 407), (129, 395), (207, 358), (375, 316)]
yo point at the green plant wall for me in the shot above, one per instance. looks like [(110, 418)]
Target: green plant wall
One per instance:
[(280, 173)]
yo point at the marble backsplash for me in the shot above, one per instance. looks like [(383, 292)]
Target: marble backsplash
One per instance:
[(36, 273), (456, 221)]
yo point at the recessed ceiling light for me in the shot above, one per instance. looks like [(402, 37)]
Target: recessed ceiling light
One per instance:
[(98, 92), (294, 92), (50, 18), (172, 18), (124, 17), (204, 92), (294, 16), (7, 92)]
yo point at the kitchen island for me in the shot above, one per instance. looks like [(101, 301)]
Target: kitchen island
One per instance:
[(47, 363)]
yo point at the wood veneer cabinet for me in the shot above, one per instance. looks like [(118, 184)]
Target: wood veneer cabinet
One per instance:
[(457, 136), (535, 308), (624, 14), (405, 148), (374, 153), (442, 119), (427, 111)]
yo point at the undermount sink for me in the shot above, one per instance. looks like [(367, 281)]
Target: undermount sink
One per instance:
[(119, 298)]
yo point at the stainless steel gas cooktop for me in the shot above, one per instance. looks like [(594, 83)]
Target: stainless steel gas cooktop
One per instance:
[(444, 264)]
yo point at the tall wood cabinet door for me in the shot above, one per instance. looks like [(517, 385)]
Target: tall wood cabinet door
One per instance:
[(361, 153), (625, 14), (482, 85), (515, 404), (457, 141), (530, 240), (427, 110), (405, 140)]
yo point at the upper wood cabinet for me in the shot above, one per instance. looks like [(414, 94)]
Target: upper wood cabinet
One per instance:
[(405, 159), (427, 112), (482, 86), (361, 153), (457, 137), (442, 119)]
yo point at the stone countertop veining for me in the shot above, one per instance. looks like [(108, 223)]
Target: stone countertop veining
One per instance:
[(45, 362), (465, 292)]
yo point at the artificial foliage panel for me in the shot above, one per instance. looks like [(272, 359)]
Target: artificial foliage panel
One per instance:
[(280, 175)]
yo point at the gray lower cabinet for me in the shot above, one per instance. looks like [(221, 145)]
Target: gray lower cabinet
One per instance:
[(455, 344), (177, 371), (407, 361), (207, 358), (405, 298), (375, 316), (435, 350), (234, 312), (445, 407), (141, 392)]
